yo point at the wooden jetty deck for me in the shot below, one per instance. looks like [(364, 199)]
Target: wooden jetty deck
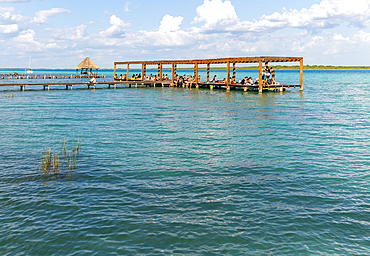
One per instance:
[(228, 84), (70, 85), (148, 83), (262, 61)]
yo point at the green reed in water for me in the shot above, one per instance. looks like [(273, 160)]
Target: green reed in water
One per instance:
[(60, 161)]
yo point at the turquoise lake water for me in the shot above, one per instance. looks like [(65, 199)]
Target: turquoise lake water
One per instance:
[(166, 171)]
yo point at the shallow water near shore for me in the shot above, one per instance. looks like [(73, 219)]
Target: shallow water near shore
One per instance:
[(176, 171)]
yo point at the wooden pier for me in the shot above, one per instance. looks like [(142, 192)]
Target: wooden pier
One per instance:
[(175, 81), (70, 85), (148, 83), (261, 85)]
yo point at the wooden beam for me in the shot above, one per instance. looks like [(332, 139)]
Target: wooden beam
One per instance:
[(160, 71), (196, 73), (234, 72), (142, 72), (301, 75), (228, 75), (115, 69), (173, 73), (208, 68), (218, 61)]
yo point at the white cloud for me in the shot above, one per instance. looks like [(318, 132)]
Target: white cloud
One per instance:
[(216, 14), (127, 7), (27, 36), (170, 23), (221, 16), (42, 16), (117, 28), (7, 29), (75, 33), (326, 14), (7, 16), (362, 36)]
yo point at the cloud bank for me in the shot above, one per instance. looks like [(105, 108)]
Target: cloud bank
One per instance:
[(215, 31)]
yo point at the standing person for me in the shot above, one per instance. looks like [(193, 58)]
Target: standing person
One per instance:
[(264, 74), (268, 73)]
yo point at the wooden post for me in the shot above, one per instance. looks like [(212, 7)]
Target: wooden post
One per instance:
[(260, 82), (128, 71), (234, 72), (228, 77), (173, 73), (115, 68), (142, 72), (301, 75), (160, 71), (208, 67), (196, 75)]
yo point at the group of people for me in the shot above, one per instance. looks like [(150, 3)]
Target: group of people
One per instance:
[(268, 77), (138, 77), (247, 80)]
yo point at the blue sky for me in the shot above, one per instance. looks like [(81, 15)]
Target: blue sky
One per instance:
[(60, 34)]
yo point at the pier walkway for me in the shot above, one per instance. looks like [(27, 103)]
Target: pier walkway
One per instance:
[(148, 83)]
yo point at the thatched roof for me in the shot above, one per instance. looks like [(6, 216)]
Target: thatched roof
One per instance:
[(87, 64)]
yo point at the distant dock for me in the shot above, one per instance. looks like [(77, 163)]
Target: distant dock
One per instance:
[(15, 75)]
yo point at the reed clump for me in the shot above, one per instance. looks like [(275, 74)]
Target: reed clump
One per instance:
[(62, 160)]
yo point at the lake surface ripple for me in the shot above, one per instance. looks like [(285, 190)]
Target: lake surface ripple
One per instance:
[(175, 171)]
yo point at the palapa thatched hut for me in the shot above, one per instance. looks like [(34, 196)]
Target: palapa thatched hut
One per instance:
[(87, 66)]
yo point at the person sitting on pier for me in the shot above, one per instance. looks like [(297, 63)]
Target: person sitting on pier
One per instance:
[(93, 80), (232, 81), (273, 82), (244, 80), (214, 79)]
